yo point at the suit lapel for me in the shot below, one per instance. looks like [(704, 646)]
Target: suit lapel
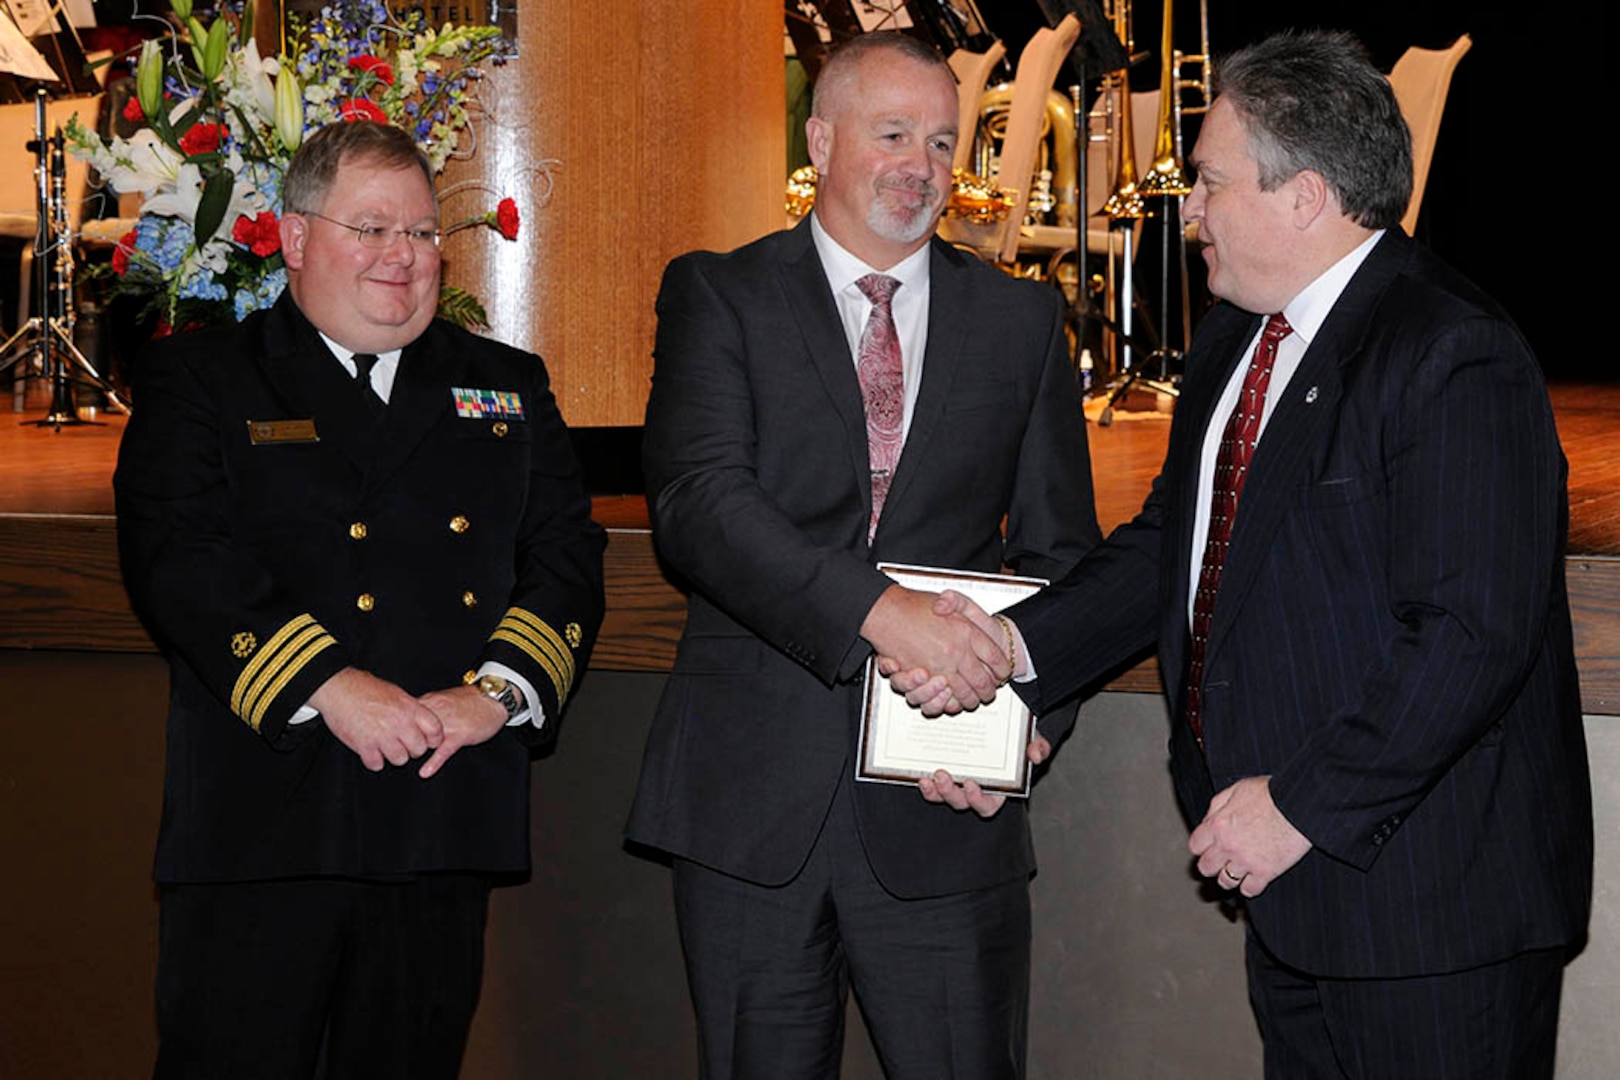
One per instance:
[(309, 381), (948, 303), (810, 302), (1305, 412), (419, 401)]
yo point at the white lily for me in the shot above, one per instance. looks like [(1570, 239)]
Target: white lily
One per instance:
[(143, 162), (181, 198)]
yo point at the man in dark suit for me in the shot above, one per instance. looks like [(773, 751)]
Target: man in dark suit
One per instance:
[(322, 557), (1352, 565), (774, 489)]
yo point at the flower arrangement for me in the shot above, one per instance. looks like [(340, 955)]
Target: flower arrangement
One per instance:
[(220, 124)]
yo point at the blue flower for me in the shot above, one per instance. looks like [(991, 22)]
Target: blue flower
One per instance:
[(262, 295), (202, 286)]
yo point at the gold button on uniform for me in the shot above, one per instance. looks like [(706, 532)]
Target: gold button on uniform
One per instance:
[(499, 429), (357, 531), (469, 599), (459, 524), (365, 601)]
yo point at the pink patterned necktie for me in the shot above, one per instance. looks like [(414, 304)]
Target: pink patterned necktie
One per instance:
[(882, 388), (1231, 473)]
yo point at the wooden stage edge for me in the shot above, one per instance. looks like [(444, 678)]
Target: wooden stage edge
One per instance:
[(60, 586)]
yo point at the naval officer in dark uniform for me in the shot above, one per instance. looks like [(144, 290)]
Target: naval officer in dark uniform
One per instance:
[(361, 539)]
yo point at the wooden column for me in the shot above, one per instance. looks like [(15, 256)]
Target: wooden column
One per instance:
[(666, 125)]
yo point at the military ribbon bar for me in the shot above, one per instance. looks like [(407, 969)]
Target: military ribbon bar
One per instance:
[(487, 404)]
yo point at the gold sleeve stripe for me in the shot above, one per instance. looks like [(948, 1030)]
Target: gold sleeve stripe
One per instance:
[(281, 658), (320, 644), (545, 646), (305, 644), (527, 622), (543, 659), (265, 656)]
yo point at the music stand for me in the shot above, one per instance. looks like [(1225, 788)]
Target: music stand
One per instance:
[(45, 341)]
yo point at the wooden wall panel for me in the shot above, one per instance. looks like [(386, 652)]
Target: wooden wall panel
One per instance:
[(666, 125)]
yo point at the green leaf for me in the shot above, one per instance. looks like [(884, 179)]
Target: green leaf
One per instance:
[(216, 199), (462, 308)]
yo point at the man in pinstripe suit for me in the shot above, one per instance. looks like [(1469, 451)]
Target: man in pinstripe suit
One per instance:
[(1352, 566)]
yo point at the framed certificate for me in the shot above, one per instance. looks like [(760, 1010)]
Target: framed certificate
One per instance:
[(899, 745)]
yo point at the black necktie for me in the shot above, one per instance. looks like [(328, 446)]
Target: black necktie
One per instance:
[(363, 363)]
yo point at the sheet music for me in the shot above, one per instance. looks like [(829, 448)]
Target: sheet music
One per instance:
[(33, 17), (18, 56)]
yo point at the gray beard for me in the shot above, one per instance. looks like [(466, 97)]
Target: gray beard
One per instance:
[(900, 226)]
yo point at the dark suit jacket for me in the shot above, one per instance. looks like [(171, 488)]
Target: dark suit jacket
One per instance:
[(248, 556), (757, 473), (1391, 642)]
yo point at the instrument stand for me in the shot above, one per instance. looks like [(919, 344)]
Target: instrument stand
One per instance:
[(1098, 48), (1130, 375), (45, 342), (1166, 353)]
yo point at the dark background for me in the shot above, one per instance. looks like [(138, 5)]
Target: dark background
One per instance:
[(1510, 199)]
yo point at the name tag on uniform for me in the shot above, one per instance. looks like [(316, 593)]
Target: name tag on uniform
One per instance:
[(269, 432), (474, 404)]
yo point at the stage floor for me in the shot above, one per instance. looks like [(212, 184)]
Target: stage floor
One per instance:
[(60, 586), (69, 472)]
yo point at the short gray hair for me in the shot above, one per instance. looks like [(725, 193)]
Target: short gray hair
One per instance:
[(838, 70), (315, 166), (1313, 100)]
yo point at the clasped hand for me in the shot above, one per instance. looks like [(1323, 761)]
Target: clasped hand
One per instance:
[(383, 724)]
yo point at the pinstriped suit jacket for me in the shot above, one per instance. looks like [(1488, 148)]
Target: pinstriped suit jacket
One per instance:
[(1391, 643)]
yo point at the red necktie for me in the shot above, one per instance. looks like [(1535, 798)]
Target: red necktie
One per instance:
[(882, 388), (1231, 473)]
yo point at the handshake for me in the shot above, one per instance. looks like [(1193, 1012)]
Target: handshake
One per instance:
[(946, 655), (941, 650)]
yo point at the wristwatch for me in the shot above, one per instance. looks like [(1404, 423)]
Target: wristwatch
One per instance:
[(500, 690)]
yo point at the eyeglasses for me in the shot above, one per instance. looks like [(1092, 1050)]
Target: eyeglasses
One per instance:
[(383, 237)]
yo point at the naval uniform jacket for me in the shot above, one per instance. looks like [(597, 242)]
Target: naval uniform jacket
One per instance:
[(265, 561), (1391, 641), (760, 488)]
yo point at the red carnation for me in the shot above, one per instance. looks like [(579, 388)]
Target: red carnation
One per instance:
[(201, 139), (506, 219), (132, 110), (374, 66), (260, 235), (121, 253), (362, 109)]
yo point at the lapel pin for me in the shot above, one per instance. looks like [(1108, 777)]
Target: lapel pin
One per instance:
[(1310, 396)]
